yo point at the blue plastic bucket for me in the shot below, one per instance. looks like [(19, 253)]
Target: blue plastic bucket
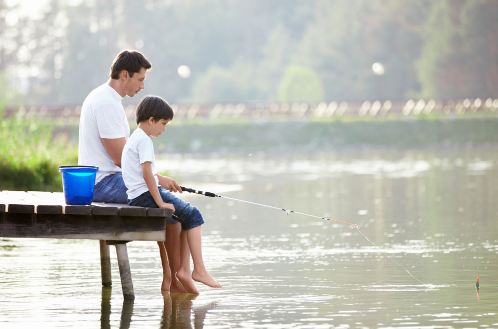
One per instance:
[(78, 183)]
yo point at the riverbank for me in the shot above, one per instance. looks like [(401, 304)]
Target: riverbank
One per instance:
[(32, 150), (318, 136), (30, 155)]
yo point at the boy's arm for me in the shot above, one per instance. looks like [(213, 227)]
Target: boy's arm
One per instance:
[(151, 185), (169, 183)]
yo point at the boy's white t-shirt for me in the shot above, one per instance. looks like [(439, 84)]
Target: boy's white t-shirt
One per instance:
[(102, 116), (138, 149)]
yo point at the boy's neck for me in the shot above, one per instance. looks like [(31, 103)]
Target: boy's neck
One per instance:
[(145, 127)]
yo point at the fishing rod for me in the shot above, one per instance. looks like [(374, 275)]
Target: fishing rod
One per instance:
[(212, 195)]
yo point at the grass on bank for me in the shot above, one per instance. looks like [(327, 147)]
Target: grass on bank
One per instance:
[(30, 155)]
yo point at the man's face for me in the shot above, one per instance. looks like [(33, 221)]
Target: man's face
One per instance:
[(132, 85)]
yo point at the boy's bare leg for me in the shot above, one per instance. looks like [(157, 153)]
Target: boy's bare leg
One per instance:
[(172, 264), (195, 244), (183, 273)]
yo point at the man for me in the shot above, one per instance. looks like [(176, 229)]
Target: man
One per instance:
[(103, 132)]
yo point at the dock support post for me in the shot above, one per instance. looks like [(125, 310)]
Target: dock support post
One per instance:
[(124, 269), (105, 264)]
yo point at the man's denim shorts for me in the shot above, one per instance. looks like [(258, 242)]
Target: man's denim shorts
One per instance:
[(111, 189), (188, 215)]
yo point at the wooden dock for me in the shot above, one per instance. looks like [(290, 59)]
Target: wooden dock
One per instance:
[(45, 215)]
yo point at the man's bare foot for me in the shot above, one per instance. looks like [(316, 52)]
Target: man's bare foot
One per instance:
[(177, 287), (187, 282), (206, 278)]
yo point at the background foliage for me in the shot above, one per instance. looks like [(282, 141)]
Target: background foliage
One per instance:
[(242, 51)]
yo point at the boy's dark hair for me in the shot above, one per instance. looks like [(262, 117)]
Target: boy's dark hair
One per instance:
[(154, 106), (129, 60)]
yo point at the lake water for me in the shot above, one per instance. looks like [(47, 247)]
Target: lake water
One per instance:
[(428, 226)]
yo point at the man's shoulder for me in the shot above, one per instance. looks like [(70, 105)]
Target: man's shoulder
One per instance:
[(101, 96)]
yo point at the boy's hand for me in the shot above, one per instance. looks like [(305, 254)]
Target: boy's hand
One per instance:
[(169, 184), (167, 206)]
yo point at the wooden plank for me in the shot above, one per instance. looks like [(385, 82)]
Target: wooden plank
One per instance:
[(104, 210), (47, 202), (58, 198), (133, 211), (16, 205), (49, 198), (82, 210), (125, 236), (159, 212), (21, 208), (41, 204), (2, 208), (125, 209), (80, 226)]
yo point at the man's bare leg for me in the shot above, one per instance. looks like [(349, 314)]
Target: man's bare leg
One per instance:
[(172, 263), (183, 273), (165, 286), (199, 274)]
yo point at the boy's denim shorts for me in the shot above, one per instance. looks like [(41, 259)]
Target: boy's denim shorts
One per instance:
[(188, 215)]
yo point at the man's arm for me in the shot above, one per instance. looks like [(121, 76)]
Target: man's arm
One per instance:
[(115, 148)]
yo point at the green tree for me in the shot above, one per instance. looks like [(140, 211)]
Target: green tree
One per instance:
[(300, 84), (460, 55)]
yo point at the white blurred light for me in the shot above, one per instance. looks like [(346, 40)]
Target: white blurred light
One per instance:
[(11, 19), (387, 105), (378, 68), (408, 107), (139, 44), (184, 71)]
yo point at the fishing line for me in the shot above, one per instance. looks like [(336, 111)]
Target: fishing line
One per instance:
[(212, 195)]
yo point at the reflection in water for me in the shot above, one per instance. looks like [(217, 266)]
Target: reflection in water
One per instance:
[(178, 309), (126, 311), (105, 315)]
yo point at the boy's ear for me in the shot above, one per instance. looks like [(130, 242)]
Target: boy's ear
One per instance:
[(151, 120)]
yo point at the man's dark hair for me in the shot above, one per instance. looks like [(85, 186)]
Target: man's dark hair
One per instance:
[(129, 60), (154, 106)]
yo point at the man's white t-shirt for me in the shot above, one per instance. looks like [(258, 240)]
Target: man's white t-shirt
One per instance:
[(138, 149), (102, 116)]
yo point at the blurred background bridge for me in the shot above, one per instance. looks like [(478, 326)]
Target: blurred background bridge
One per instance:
[(292, 111)]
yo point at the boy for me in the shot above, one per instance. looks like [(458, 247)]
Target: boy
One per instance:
[(140, 177)]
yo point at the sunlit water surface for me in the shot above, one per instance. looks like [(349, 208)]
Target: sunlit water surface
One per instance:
[(427, 227)]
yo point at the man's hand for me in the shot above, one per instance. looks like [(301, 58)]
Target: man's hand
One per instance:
[(169, 184), (167, 206)]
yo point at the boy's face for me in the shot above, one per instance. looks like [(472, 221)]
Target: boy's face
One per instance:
[(132, 85), (157, 127)]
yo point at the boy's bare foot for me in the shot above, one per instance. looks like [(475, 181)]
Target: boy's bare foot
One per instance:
[(186, 281), (206, 278)]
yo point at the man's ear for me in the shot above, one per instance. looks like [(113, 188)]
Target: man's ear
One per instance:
[(124, 74)]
